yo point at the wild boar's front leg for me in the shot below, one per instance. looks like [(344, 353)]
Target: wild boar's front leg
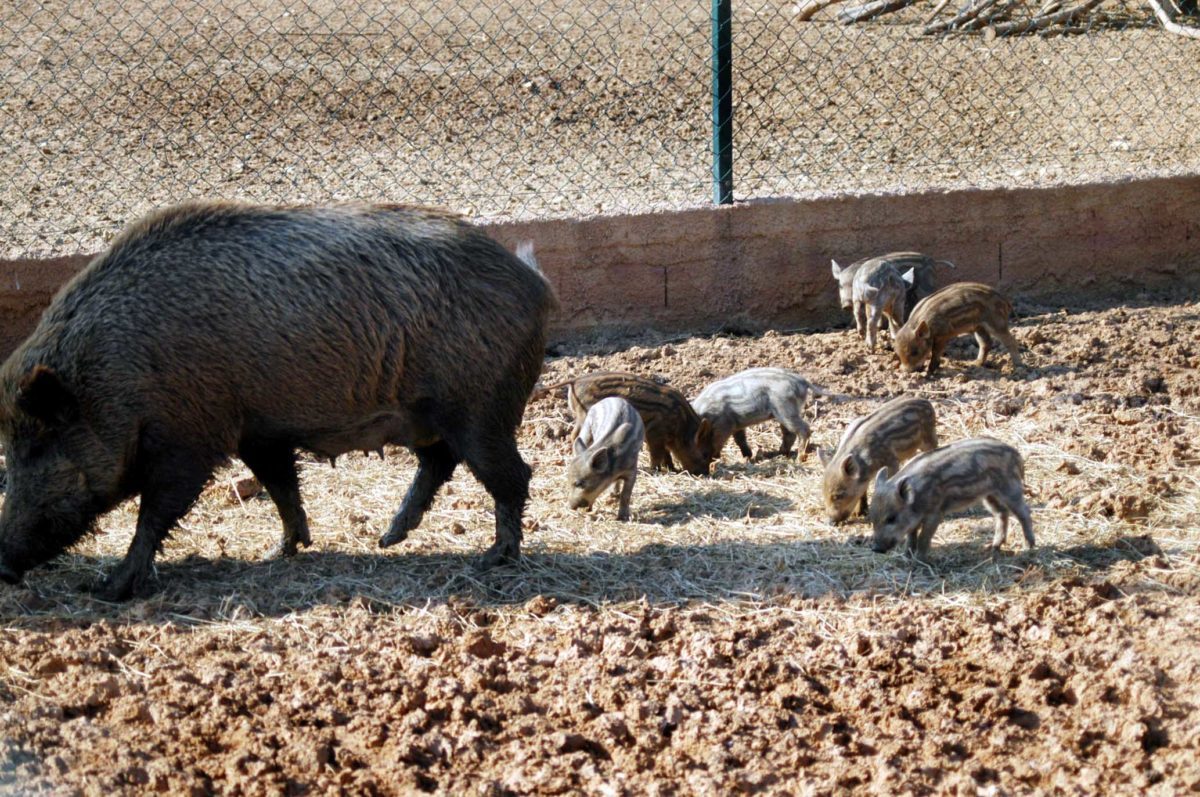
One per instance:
[(435, 466), (928, 526), (172, 482), (274, 464), (626, 496), (935, 356)]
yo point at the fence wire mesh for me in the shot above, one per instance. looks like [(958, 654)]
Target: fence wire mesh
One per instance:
[(532, 108)]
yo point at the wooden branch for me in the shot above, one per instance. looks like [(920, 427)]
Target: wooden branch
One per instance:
[(870, 10), (1170, 24), (1046, 20), (968, 13), (936, 10), (806, 9), (983, 20)]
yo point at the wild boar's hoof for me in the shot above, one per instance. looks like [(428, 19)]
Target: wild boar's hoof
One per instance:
[(120, 587), (499, 554), (285, 549), (8, 575), (393, 535)]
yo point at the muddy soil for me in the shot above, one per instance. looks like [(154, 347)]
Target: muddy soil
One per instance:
[(727, 640)]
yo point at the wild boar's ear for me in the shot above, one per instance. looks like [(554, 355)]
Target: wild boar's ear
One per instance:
[(622, 434), (837, 270), (601, 459), (44, 396), (881, 479), (850, 467), (580, 446), (906, 492), (704, 431), (922, 330), (909, 276)]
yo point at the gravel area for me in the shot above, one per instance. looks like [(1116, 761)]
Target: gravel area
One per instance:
[(556, 108)]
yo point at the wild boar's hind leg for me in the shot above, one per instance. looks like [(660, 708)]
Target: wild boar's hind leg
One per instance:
[(1010, 344), (1000, 514), (985, 344), (435, 466), (1014, 502), (274, 464), (495, 461), (173, 480), (793, 428)]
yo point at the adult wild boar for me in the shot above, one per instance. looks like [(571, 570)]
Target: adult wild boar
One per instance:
[(213, 329)]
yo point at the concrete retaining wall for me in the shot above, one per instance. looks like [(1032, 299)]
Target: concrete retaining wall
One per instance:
[(766, 264)]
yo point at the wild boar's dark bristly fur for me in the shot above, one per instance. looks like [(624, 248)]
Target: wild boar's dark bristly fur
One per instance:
[(213, 329)]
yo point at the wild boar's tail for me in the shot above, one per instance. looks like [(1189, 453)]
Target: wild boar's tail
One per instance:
[(525, 253), (946, 263)]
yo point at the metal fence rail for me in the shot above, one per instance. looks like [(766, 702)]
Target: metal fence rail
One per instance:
[(522, 108)]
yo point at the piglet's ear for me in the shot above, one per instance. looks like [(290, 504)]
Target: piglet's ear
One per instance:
[(602, 459), (881, 479), (43, 395), (906, 492)]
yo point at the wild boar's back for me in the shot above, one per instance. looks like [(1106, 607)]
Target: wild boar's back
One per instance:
[(334, 327)]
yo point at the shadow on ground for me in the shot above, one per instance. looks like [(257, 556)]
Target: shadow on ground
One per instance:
[(199, 590)]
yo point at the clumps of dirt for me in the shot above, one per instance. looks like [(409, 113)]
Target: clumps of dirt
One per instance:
[(1079, 682)]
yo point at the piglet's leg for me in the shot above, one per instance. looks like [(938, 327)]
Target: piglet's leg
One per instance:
[(1010, 344), (1000, 513), (928, 526), (793, 428), (743, 444), (1014, 501), (626, 495), (985, 344)]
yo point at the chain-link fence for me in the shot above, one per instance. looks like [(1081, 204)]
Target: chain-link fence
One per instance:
[(520, 108)]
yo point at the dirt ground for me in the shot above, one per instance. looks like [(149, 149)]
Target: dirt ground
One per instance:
[(525, 109), (726, 640)]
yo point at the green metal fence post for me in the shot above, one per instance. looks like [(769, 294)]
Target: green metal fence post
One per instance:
[(722, 100)]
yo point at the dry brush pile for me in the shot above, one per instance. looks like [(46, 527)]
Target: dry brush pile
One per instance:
[(727, 639)]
